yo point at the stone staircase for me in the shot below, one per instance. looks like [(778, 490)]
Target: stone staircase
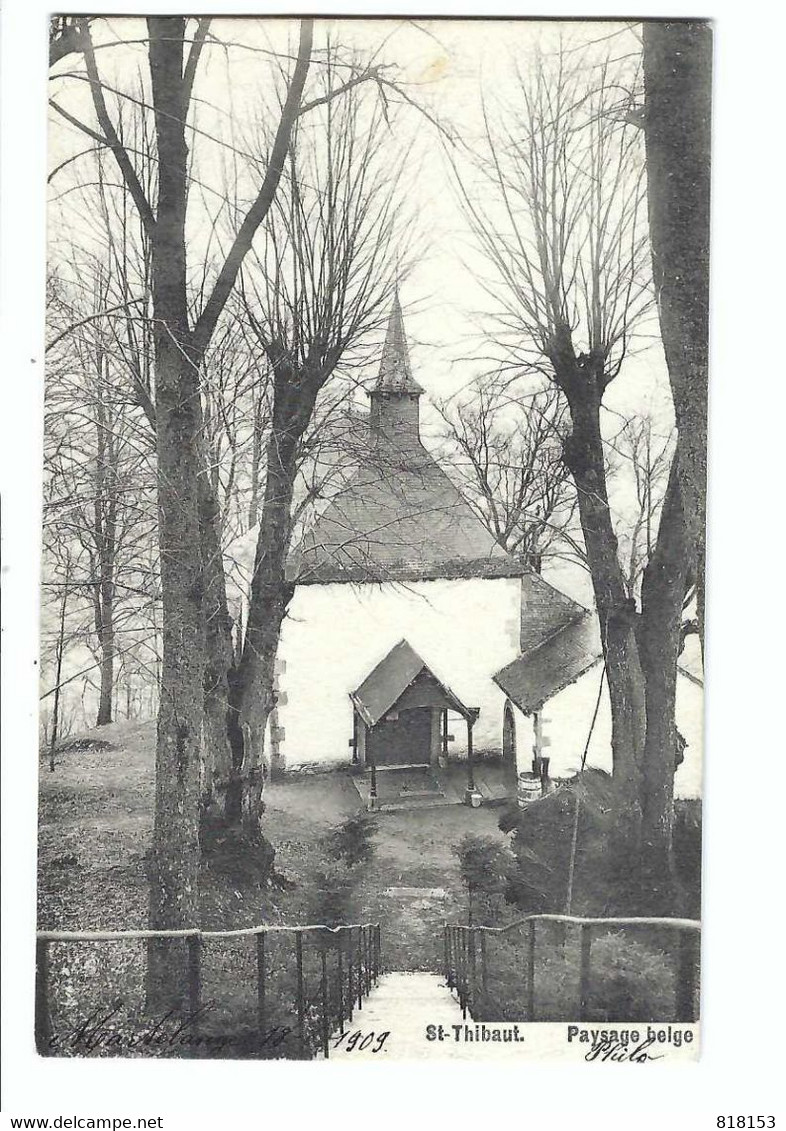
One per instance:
[(414, 1016), (402, 1005)]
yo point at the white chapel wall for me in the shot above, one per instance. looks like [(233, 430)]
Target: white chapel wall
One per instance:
[(567, 717), (465, 630)]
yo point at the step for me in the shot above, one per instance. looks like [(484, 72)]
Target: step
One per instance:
[(402, 1004)]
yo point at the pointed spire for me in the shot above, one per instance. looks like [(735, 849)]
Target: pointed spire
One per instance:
[(395, 371)]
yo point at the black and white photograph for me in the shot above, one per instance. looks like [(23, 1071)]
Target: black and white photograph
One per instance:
[(373, 539), (391, 630)]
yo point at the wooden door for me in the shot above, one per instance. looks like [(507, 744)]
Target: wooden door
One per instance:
[(402, 738)]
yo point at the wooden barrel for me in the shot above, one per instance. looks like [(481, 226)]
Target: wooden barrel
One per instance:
[(529, 788)]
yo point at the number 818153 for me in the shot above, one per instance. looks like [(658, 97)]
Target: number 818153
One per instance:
[(728, 1121)]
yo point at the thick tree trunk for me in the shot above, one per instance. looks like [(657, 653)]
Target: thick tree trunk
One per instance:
[(660, 634), (677, 111), (251, 683), (175, 855), (218, 760), (582, 379), (583, 450)]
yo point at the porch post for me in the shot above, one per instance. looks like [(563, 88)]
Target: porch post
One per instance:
[(362, 735), (372, 799), (435, 747), (471, 791), (354, 740)]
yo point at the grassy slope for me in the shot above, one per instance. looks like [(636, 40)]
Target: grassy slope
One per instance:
[(96, 820)]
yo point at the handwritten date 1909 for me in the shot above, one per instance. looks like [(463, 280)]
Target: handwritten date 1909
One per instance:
[(361, 1042)]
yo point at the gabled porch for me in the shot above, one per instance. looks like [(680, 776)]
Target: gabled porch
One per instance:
[(401, 734)]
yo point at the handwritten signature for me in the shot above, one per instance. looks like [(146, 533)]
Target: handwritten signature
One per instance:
[(612, 1048)]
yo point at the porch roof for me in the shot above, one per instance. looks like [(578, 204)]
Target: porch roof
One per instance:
[(388, 681)]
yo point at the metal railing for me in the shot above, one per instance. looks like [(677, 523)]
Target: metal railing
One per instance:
[(468, 969), (348, 965)]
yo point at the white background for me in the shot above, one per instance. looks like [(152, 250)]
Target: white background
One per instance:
[(740, 1071)]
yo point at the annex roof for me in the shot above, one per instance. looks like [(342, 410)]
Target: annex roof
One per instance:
[(553, 664)]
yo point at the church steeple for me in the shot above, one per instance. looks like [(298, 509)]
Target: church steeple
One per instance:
[(395, 371), (395, 412)]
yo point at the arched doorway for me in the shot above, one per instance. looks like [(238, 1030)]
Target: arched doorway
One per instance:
[(509, 745)]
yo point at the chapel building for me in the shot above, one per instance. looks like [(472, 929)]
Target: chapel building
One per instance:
[(413, 638)]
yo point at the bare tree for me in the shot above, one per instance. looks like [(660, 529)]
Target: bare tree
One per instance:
[(510, 469), (197, 637), (563, 224), (645, 459), (99, 501), (677, 63), (322, 280)]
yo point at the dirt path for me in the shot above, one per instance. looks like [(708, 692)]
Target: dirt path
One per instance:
[(412, 885)]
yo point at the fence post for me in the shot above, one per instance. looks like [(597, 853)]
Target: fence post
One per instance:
[(473, 964), (43, 1017), (483, 972), (360, 967), (378, 956), (261, 985), (584, 975), (350, 983), (531, 972), (194, 974), (325, 1004), (340, 972), (686, 975), (301, 1004), (464, 968)]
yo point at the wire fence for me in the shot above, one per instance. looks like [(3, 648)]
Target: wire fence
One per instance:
[(260, 992), (544, 968)]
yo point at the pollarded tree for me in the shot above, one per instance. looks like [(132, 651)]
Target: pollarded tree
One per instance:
[(562, 222), (197, 644), (187, 507), (319, 285)]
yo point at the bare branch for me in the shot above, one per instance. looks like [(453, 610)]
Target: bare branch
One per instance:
[(206, 323), (110, 134)]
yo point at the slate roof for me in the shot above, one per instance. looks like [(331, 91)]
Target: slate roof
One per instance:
[(385, 685), (399, 518), (553, 664), (544, 611)]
